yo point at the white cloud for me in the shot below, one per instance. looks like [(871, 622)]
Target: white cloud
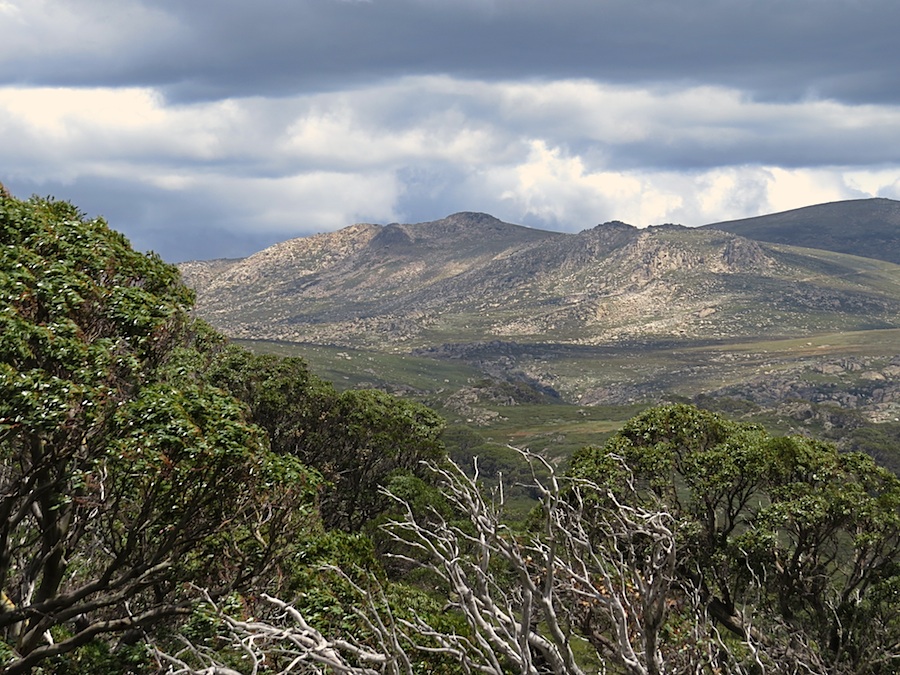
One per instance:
[(10, 9), (311, 202), (728, 193), (438, 119), (61, 113), (344, 136), (882, 182), (792, 188), (554, 189), (563, 154)]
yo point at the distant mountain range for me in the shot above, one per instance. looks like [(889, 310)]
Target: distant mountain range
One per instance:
[(470, 277), (535, 334), (863, 227)]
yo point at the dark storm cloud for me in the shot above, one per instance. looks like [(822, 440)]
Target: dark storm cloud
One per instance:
[(212, 128), (207, 49), (178, 226)]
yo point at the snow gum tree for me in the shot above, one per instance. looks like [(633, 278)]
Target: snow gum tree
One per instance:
[(357, 439), (788, 546), (686, 544), (124, 476)]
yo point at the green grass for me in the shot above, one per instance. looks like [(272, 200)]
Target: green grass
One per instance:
[(348, 368), (845, 343), (557, 431), (652, 370), (629, 377)]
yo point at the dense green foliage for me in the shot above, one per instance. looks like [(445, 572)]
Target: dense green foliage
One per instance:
[(777, 536), (156, 482), (357, 439), (142, 457), (124, 475)]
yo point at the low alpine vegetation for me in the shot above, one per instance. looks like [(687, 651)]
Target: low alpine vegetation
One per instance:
[(171, 503)]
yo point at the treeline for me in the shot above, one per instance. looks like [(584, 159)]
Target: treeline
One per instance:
[(170, 502), (144, 457)]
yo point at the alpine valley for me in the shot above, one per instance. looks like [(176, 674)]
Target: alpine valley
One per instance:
[(538, 336)]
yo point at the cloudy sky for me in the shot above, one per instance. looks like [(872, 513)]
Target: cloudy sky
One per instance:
[(213, 128)]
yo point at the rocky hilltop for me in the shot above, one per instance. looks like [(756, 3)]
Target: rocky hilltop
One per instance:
[(471, 277)]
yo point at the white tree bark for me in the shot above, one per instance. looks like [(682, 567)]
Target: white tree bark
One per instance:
[(588, 573), (595, 569)]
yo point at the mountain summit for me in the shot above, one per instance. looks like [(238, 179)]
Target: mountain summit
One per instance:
[(471, 277)]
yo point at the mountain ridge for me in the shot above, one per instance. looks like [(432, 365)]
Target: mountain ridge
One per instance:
[(462, 311), (471, 276), (833, 226)]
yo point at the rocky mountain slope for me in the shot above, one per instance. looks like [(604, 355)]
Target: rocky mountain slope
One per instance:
[(476, 316), (471, 277)]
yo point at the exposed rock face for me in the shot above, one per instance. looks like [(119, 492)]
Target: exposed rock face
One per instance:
[(743, 255), (654, 255), (204, 273), (866, 384), (471, 277)]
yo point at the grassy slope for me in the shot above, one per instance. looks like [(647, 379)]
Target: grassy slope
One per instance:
[(646, 373), (820, 323), (863, 227)]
